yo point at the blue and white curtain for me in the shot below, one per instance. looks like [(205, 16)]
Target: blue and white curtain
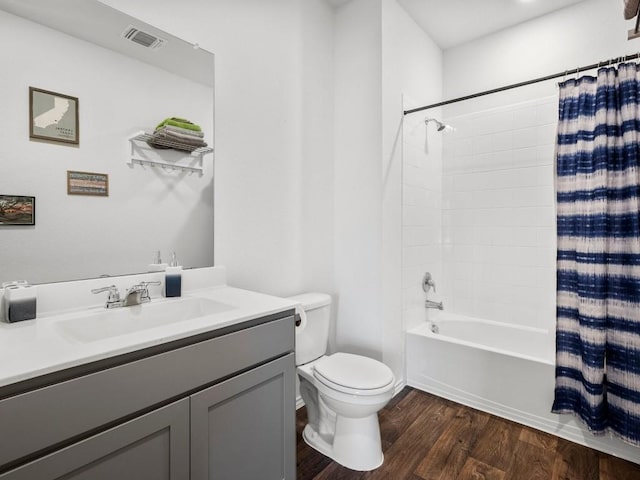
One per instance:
[(598, 271)]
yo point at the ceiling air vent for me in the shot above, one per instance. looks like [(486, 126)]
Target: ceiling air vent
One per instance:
[(145, 39)]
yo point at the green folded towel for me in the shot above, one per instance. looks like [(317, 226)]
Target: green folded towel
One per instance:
[(179, 122)]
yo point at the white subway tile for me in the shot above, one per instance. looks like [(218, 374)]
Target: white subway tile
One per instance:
[(481, 145), (547, 112), (464, 146), (416, 235), (503, 236), (502, 141), (525, 137), (524, 157), (525, 236), (546, 256), (545, 154), (413, 216), (545, 236), (415, 255), (546, 135), (524, 256)]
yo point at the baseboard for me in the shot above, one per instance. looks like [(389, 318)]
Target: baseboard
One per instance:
[(399, 386)]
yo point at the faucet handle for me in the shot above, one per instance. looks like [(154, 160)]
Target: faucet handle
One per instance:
[(428, 283), (114, 295), (144, 290)]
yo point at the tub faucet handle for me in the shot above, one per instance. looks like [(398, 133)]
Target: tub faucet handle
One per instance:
[(428, 283)]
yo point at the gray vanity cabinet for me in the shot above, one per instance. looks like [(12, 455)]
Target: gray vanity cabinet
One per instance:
[(217, 406), (240, 429), (153, 446)]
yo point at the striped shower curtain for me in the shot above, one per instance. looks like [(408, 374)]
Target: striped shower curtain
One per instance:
[(598, 270)]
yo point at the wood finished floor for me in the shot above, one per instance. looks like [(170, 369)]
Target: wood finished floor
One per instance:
[(428, 438)]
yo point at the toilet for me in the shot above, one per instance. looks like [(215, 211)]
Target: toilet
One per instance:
[(343, 392)]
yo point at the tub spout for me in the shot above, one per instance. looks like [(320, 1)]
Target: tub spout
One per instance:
[(432, 304)]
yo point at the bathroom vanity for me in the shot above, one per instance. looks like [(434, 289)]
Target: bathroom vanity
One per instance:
[(208, 397)]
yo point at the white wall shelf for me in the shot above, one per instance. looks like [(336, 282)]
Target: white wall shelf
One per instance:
[(174, 158)]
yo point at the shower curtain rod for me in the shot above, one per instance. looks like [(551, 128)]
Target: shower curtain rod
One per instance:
[(528, 82)]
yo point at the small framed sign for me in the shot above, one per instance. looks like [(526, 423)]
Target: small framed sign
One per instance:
[(53, 117), (87, 183), (17, 210)]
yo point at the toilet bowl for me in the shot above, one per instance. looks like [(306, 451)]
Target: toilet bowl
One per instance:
[(343, 392)]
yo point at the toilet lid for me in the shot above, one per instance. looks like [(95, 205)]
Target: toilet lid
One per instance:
[(353, 372)]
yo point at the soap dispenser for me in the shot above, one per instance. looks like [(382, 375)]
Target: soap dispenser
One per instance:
[(19, 301), (157, 265), (173, 278)]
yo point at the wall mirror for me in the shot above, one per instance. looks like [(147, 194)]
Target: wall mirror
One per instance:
[(126, 77)]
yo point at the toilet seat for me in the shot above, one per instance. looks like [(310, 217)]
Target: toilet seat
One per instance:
[(353, 374)]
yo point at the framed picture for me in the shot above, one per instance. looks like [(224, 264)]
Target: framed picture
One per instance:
[(53, 117), (87, 183), (17, 210)]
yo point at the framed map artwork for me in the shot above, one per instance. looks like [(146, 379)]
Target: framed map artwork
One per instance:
[(53, 117)]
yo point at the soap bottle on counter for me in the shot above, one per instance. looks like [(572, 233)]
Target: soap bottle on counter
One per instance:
[(157, 265), (173, 278), (19, 301)]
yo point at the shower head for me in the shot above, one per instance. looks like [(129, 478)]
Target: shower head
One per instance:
[(439, 125)]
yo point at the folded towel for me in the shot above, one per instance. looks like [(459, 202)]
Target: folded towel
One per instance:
[(631, 8), (178, 130), (177, 138), (179, 122)]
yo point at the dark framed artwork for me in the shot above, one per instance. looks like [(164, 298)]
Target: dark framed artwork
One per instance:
[(17, 210), (87, 183), (53, 117)]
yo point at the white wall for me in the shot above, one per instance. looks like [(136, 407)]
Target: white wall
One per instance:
[(358, 186), (146, 210), (582, 34), (317, 173), (412, 70), (381, 55)]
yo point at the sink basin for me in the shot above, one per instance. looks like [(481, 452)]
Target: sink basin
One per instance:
[(122, 321)]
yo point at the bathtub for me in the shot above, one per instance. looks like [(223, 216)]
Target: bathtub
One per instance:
[(499, 368)]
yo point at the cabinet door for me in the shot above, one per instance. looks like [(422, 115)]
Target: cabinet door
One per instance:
[(244, 428), (153, 446)]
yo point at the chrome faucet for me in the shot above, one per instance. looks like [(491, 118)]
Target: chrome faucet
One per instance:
[(136, 295), (432, 304)]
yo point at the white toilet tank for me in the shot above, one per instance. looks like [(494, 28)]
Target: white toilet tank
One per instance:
[(312, 335)]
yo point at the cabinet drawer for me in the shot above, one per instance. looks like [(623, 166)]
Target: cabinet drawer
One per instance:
[(42, 418)]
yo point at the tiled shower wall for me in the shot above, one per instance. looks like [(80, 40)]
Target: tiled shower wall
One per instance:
[(498, 216), (422, 214)]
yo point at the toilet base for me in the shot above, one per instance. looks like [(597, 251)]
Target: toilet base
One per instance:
[(356, 443)]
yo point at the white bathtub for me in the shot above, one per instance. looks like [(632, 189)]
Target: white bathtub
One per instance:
[(499, 368)]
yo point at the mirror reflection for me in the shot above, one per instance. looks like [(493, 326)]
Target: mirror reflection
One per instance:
[(104, 205)]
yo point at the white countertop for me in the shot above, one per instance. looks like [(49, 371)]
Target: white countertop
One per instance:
[(36, 347)]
